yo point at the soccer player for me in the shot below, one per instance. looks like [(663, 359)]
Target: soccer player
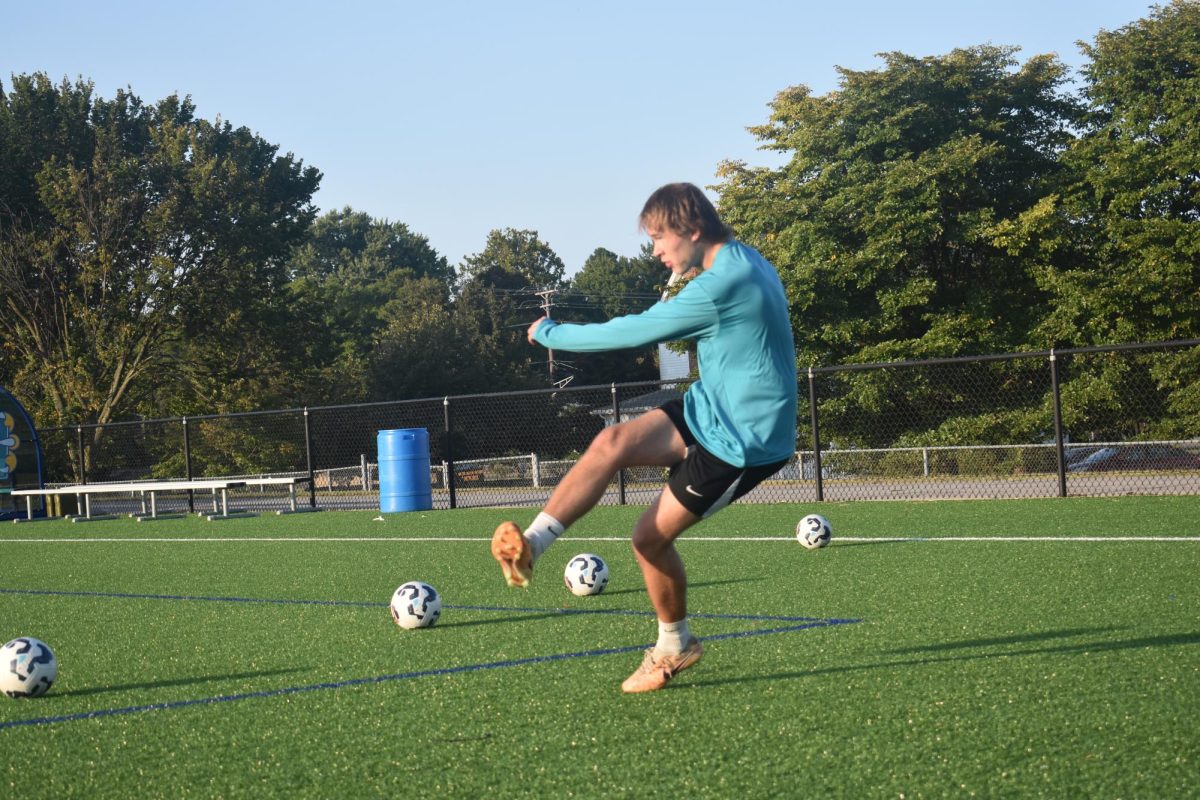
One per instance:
[(733, 428)]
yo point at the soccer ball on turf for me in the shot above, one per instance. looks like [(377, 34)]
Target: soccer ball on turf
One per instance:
[(586, 574), (416, 605), (813, 531), (27, 667)]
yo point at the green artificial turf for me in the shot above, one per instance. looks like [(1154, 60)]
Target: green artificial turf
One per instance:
[(256, 658)]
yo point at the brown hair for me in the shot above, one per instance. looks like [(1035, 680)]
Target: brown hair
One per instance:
[(683, 208)]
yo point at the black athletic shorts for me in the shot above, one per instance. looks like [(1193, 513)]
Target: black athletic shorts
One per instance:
[(703, 483)]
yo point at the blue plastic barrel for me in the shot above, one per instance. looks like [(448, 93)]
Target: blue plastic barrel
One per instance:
[(404, 483)]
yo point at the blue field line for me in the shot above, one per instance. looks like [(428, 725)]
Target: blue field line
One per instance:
[(803, 623), (317, 687), (400, 676), (365, 604)]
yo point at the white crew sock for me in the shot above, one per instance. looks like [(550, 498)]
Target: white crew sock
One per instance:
[(542, 533), (672, 637)]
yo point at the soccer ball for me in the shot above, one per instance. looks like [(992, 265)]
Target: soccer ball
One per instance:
[(27, 667), (416, 605), (586, 574), (813, 531)]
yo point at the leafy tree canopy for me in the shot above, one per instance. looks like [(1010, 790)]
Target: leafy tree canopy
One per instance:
[(515, 259), (128, 229), (1129, 224), (353, 247), (884, 221), (612, 285)]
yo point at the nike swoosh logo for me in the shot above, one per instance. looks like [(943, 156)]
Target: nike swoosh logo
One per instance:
[(692, 491)]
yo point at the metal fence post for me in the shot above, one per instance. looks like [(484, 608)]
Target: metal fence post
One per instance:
[(1058, 428), (616, 396), (448, 451), (82, 459), (308, 460), (816, 436), (187, 464)]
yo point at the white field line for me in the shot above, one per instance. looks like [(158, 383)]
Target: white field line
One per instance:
[(686, 540)]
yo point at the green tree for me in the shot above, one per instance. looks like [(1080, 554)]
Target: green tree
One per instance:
[(883, 221), (134, 237), (1125, 260), (1133, 211), (887, 221), (494, 304), (350, 278), (517, 252), (416, 352), (489, 317), (608, 286), (352, 246)]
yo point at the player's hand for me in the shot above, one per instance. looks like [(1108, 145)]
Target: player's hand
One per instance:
[(533, 328)]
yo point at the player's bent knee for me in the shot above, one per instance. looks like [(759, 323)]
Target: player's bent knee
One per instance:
[(649, 544), (609, 443)]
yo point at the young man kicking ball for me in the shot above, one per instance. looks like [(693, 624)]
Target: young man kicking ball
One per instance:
[(734, 427)]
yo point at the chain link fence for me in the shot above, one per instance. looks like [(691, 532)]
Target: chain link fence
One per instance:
[(1122, 419)]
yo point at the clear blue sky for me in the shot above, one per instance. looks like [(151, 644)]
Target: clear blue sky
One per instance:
[(459, 117)]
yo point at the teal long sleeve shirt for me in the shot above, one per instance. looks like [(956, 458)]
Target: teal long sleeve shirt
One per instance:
[(743, 407)]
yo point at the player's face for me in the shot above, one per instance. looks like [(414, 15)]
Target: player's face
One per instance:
[(678, 252)]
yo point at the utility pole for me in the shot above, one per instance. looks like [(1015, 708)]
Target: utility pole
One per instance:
[(547, 296)]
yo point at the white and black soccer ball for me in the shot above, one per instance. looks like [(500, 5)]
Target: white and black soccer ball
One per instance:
[(416, 605), (586, 574), (813, 531), (27, 667)]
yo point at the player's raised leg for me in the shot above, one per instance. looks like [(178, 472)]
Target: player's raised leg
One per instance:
[(650, 440)]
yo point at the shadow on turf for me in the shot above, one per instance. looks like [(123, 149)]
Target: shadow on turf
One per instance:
[(691, 585), (520, 616), (179, 682), (516, 616), (1025, 638), (1170, 640)]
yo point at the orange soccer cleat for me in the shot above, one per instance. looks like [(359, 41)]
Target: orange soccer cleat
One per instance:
[(514, 554), (656, 670)]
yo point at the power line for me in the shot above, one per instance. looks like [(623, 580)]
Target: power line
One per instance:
[(600, 295)]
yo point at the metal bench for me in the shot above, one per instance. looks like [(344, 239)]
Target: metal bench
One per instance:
[(149, 491)]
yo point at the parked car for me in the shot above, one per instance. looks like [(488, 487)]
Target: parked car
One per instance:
[(1073, 453), (1137, 457)]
